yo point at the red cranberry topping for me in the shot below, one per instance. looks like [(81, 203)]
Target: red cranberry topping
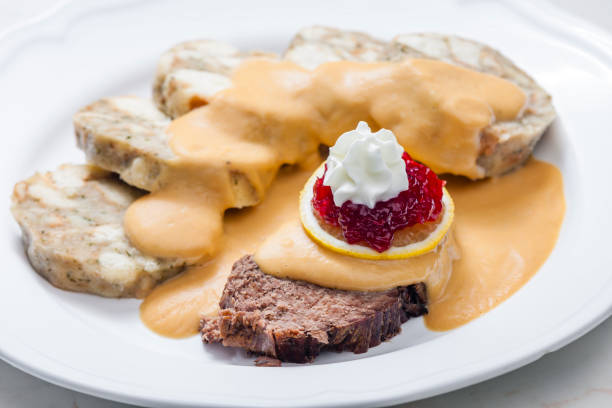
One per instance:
[(420, 203)]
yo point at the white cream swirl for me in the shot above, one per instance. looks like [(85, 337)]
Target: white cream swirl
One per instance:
[(366, 167)]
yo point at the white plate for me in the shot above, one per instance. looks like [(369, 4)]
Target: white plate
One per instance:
[(84, 51)]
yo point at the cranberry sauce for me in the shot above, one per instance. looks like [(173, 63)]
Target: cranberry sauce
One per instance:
[(420, 203)]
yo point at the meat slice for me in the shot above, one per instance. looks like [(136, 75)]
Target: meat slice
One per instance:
[(294, 321)]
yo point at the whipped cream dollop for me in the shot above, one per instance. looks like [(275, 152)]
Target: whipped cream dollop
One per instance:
[(366, 167)]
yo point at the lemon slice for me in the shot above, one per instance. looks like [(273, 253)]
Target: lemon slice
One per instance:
[(319, 235)]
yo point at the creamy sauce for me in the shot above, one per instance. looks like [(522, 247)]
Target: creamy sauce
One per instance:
[(229, 152), (278, 113), (174, 308), (290, 253), (505, 228)]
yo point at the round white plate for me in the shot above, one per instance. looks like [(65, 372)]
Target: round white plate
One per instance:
[(87, 50)]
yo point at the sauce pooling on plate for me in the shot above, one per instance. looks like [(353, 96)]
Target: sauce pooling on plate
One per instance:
[(278, 113), (505, 229)]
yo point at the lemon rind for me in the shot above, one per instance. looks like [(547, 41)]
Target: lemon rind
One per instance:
[(315, 231)]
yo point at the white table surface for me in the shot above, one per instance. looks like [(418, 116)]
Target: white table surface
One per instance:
[(576, 376)]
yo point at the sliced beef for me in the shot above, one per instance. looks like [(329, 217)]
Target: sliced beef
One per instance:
[(294, 320), (266, 361)]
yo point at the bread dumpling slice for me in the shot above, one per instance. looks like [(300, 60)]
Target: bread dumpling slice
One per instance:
[(72, 227)]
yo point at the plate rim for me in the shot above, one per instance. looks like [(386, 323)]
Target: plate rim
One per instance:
[(595, 38)]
